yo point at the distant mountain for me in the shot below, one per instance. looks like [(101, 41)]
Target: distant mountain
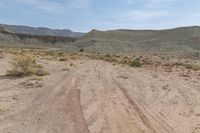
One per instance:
[(41, 31), (9, 39), (179, 40)]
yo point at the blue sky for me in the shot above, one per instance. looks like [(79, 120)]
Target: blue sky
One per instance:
[(84, 15)]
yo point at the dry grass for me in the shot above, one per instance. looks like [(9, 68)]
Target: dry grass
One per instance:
[(3, 110), (16, 51), (122, 77), (63, 59), (1, 56), (192, 67), (55, 53), (131, 60), (25, 65)]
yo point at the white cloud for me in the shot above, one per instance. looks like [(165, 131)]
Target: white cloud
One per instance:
[(152, 3), (159, 1), (79, 3), (145, 15), (133, 19), (130, 2), (139, 16), (47, 6), (54, 7)]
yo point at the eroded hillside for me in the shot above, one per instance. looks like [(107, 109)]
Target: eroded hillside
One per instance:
[(184, 40), (9, 39)]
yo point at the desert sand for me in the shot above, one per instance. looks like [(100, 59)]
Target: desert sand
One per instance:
[(94, 96)]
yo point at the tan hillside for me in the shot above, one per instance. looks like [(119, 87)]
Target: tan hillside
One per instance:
[(180, 40)]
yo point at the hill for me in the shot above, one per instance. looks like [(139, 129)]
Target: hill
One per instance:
[(41, 31), (9, 39), (180, 40)]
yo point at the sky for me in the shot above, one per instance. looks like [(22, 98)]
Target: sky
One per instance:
[(85, 15)]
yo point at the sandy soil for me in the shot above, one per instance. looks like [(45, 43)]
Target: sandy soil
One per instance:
[(93, 96)]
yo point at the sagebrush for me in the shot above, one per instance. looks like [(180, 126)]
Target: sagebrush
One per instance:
[(25, 65)]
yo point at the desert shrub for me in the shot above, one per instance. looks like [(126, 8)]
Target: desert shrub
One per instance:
[(71, 64), (25, 65), (162, 58), (81, 50), (55, 53), (63, 59), (1, 55), (60, 53), (51, 53), (108, 55), (192, 67), (124, 61), (109, 58), (16, 51), (136, 63), (125, 57), (123, 77)]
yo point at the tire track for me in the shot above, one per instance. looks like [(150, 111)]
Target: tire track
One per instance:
[(118, 95), (151, 119), (148, 118), (88, 100), (57, 111), (109, 104)]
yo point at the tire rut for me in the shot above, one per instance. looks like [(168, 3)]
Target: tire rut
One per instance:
[(108, 108), (88, 100), (150, 118), (60, 112), (157, 125)]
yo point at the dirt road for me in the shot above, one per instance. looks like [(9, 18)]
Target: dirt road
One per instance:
[(98, 97)]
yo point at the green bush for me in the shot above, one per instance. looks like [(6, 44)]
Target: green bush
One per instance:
[(81, 50), (136, 63)]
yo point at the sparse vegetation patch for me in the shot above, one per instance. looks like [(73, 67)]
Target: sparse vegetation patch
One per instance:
[(136, 63), (122, 77), (25, 65), (81, 50), (192, 67), (63, 59), (55, 53), (1, 55)]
